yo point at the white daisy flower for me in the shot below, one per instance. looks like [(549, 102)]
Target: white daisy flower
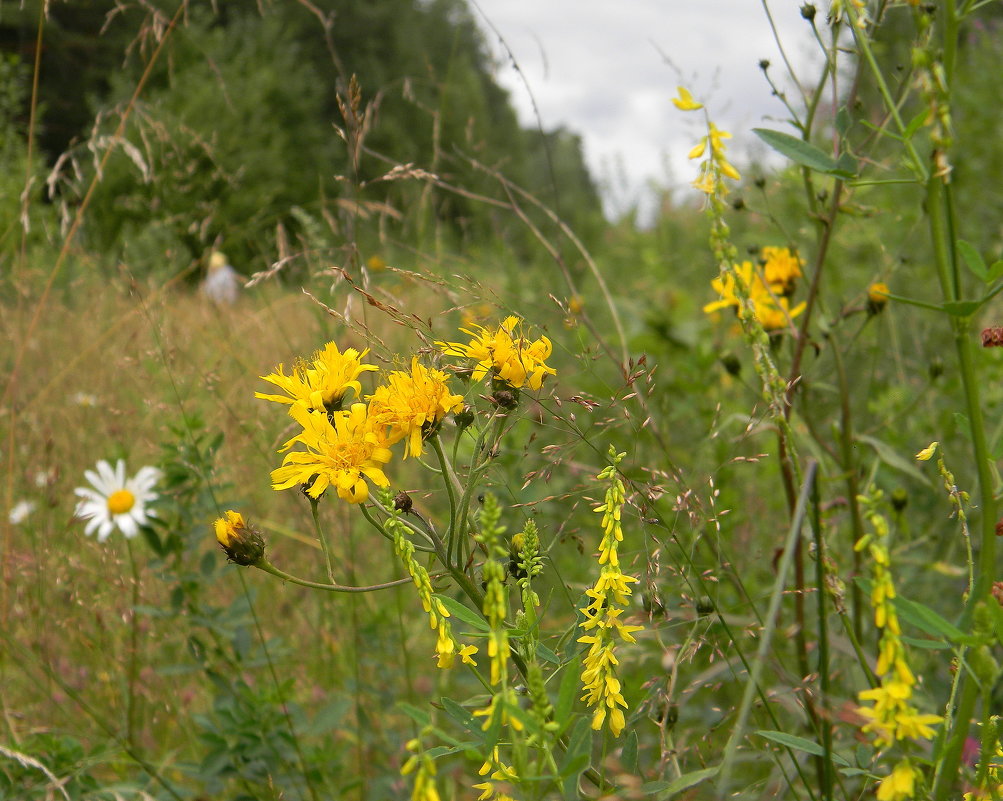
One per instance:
[(20, 511), (117, 502)]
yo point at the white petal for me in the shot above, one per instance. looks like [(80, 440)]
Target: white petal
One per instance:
[(127, 525), (107, 527)]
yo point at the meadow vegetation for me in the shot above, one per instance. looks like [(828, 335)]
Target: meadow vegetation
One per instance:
[(703, 508)]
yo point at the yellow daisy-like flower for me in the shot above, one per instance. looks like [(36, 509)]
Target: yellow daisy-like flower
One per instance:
[(322, 383), (240, 542), (781, 269), (341, 451), (505, 354), (412, 405)]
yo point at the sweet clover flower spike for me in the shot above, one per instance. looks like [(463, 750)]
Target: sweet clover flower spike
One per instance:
[(115, 501), (412, 405), (609, 599), (505, 353), (341, 451), (322, 383)]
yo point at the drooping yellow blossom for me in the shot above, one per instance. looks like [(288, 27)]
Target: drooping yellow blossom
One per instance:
[(716, 166), (343, 451), (927, 453), (685, 101), (505, 354), (411, 405), (781, 268), (241, 543), (424, 776), (602, 626), (900, 784), (321, 384)]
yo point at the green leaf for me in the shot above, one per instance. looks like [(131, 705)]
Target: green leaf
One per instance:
[(684, 782), (962, 308), (797, 150), (801, 744), (419, 716), (928, 621), (576, 759), (973, 260), (914, 125), (629, 754), (460, 715), (460, 612), (995, 271), (887, 454), (544, 653), (566, 695), (928, 645)]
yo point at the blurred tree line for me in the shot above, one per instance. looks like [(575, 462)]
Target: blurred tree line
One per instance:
[(234, 141)]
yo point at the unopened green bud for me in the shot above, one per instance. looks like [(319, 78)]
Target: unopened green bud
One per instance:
[(984, 665), (900, 499)]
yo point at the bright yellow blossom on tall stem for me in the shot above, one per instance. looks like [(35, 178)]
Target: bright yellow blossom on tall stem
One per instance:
[(343, 451), (505, 353), (322, 383), (412, 405)]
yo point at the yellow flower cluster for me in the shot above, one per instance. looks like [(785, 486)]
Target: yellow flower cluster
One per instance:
[(891, 718), (768, 289), (716, 167), (609, 599), (446, 647), (347, 448), (504, 353), (424, 777)]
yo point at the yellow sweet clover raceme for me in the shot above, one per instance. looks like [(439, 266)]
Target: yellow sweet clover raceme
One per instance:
[(321, 383), (446, 647), (504, 353), (890, 717), (343, 450), (412, 405), (609, 600)]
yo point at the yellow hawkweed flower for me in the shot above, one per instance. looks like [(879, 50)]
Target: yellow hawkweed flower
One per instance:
[(342, 452), (781, 269), (685, 101), (411, 405), (505, 354), (320, 385)]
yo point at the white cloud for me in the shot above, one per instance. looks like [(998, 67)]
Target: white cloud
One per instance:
[(607, 70)]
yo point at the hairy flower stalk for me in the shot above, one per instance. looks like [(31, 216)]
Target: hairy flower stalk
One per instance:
[(446, 647), (890, 718), (610, 598)]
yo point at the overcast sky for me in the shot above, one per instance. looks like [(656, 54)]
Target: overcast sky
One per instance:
[(608, 69)]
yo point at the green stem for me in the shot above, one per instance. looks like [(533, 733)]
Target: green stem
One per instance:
[(449, 477), (267, 567), (827, 771), (130, 709), (314, 510)]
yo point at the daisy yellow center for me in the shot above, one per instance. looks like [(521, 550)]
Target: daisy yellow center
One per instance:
[(121, 501)]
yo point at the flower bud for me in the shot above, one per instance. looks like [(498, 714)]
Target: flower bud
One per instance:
[(403, 502), (808, 11), (900, 499), (241, 543), (877, 297)]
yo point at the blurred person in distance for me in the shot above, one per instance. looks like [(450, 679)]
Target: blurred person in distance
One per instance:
[(222, 285)]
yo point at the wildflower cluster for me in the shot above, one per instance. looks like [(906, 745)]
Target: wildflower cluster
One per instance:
[(891, 718), (504, 353), (423, 767), (610, 597), (446, 647), (767, 287)]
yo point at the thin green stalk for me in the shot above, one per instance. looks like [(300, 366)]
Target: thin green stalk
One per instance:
[(315, 511), (828, 771), (130, 707), (766, 638), (268, 567), (449, 477)]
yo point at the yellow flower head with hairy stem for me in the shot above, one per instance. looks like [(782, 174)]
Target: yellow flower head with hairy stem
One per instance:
[(505, 354), (242, 544), (412, 405), (322, 383), (342, 451)]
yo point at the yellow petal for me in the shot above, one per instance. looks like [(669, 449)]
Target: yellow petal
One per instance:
[(685, 101)]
